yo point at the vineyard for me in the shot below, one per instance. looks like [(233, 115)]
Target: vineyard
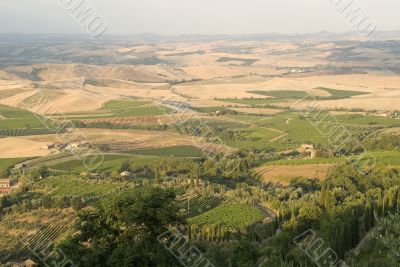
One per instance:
[(70, 186), (27, 132), (48, 160), (199, 204), (229, 215)]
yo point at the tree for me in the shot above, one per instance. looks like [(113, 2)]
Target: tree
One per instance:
[(210, 168), (40, 173), (77, 203), (195, 173), (124, 230), (157, 176)]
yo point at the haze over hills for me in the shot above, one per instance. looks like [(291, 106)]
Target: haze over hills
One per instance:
[(247, 144)]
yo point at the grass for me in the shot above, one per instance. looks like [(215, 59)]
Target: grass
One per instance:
[(73, 186), (123, 104), (121, 108), (391, 158), (368, 120), (253, 137), (253, 101), (256, 119), (6, 163), (340, 94), (292, 94), (177, 151), (246, 61), (15, 118), (229, 215), (305, 161), (48, 94), (108, 163), (283, 94)]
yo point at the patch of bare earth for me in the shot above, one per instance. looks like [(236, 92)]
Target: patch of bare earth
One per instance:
[(283, 174)]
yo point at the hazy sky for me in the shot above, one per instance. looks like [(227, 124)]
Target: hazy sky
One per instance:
[(195, 16)]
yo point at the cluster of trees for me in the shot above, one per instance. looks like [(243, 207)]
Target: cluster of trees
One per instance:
[(123, 231), (220, 233), (110, 125), (383, 142)]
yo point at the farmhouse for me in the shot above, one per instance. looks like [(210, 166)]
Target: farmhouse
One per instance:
[(125, 174), (308, 148)]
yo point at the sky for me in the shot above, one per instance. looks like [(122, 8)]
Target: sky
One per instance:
[(176, 17)]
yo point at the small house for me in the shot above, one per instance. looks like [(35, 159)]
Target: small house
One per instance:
[(125, 174)]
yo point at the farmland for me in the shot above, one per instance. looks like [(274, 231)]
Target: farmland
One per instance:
[(14, 118), (177, 151), (229, 215), (201, 135), (199, 204), (284, 174), (70, 186)]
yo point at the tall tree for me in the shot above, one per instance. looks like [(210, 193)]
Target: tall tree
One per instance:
[(123, 231)]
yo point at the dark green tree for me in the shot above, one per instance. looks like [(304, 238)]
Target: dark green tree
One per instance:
[(124, 230)]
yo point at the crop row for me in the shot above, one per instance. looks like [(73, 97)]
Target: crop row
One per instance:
[(27, 132), (199, 204)]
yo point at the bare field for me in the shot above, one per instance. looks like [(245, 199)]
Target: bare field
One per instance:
[(18, 147), (282, 174)]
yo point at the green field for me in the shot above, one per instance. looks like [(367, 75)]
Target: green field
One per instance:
[(368, 120), (6, 163), (199, 204), (253, 101), (245, 61), (253, 137), (283, 94), (292, 94), (391, 158), (229, 215), (177, 151), (108, 163), (254, 119), (339, 94), (305, 161), (123, 104), (15, 118), (73, 186), (119, 108)]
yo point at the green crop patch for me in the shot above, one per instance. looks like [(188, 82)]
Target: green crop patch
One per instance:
[(368, 120), (282, 94), (7, 163), (245, 61), (71, 186), (199, 204), (229, 215), (339, 94), (253, 101), (123, 104), (15, 118), (177, 151)]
